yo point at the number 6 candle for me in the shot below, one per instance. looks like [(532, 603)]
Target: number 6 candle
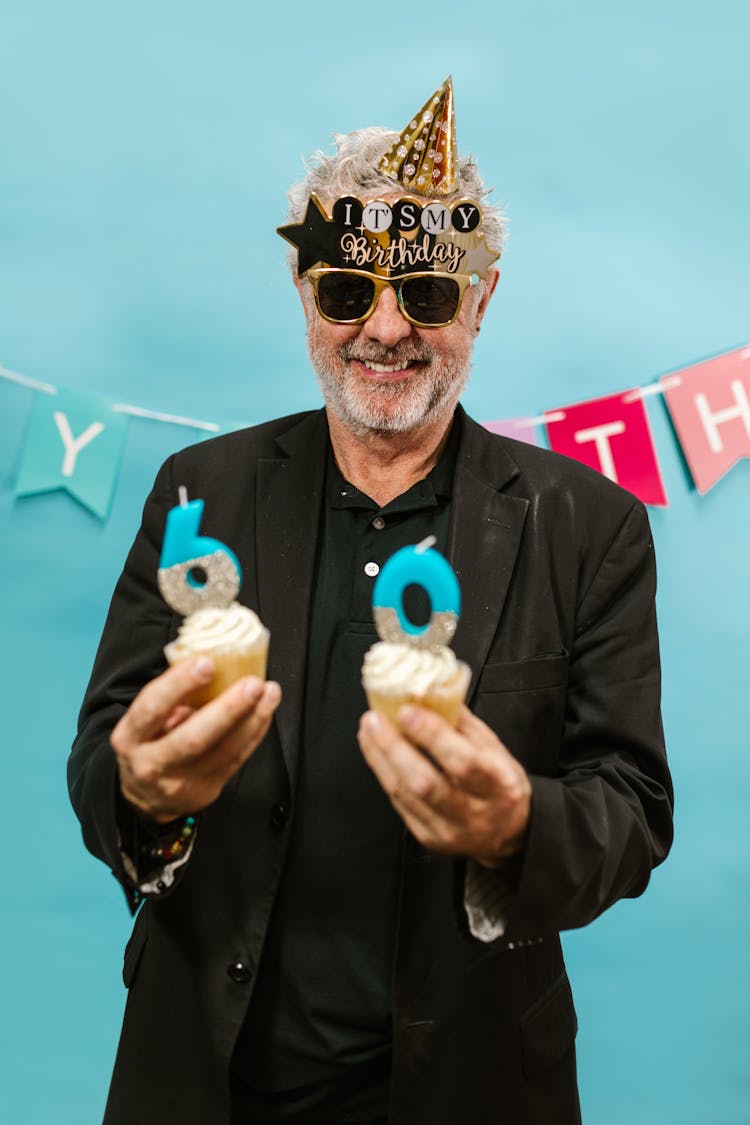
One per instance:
[(184, 550)]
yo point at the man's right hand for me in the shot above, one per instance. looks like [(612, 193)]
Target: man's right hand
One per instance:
[(174, 760)]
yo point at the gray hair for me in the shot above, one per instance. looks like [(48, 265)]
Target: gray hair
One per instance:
[(353, 170)]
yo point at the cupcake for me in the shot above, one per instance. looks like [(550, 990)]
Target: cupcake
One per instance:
[(215, 624), (397, 673), (233, 638)]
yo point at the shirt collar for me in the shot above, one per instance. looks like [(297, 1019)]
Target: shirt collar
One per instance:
[(424, 494)]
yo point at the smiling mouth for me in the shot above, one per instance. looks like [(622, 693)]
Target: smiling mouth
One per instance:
[(387, 368)]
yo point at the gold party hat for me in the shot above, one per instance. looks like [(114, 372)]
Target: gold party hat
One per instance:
[(424, 158)]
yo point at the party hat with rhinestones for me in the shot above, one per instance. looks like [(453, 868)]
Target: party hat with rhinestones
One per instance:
[(424, 158)]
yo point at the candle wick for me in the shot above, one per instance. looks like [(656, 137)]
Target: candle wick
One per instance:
[(182, 492), (425, 545)]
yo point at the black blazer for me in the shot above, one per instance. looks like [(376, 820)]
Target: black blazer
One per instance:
[(557, 573)]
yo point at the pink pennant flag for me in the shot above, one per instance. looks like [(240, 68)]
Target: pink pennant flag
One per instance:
[(611, 434), (709, 404), (522, 429)]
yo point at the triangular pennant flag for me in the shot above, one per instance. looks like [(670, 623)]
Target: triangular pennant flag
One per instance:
[(74, 441), (611, 434), (519, 428), (709, 404)]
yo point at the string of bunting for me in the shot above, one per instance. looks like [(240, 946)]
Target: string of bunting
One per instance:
[(74, 440)]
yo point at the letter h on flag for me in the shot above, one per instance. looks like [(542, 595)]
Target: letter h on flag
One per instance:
[(73, 441), (709, 404)]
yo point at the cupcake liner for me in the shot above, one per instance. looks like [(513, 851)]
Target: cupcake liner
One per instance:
[(229, 666), (445, 701)]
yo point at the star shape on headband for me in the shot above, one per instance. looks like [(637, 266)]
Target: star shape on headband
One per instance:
[(316, 237), (479, 257)]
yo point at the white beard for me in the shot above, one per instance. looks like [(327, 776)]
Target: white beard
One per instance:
[(397, 406)]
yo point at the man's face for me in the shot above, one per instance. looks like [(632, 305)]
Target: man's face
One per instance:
[(385, 375)]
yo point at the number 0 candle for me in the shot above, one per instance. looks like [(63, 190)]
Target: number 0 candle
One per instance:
[(417, 566)]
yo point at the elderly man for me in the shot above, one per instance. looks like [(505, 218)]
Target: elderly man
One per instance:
[(334, 933)]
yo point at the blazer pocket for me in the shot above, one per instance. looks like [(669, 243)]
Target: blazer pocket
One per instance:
[(525, 675), (134, 948), (548, 1028)]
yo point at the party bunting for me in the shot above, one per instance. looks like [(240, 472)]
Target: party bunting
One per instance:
[(74, 441), (611, 434), (709, 404)]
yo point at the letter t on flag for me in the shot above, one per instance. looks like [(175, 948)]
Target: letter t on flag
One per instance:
[(73, 441), (611, 434)]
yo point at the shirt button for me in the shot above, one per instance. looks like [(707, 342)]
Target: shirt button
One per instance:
[(378, 523), (239, 972), (371, 569)]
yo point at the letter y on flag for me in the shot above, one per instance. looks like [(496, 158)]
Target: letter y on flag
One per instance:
[(74, 441)]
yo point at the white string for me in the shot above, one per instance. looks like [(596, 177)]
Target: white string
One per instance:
[(175, 419), (653, 388), (25, 381), (119, 407), (540, 420)]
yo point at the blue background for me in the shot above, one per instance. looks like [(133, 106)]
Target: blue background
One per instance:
[(145, 154)]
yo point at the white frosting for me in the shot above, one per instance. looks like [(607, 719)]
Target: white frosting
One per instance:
[(403, 667), (219, 630)]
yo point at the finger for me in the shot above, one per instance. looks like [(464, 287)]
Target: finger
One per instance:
[(147, 715), (480, 734), (429, 828), (462, 758), (180, 713), (222, 759), (200, 734), (418, 822), (398, 766), (472, 726), (471, 754), (372, 729), (264, 711)]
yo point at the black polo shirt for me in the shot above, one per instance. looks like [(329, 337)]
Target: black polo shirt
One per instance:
[(316, 1045)]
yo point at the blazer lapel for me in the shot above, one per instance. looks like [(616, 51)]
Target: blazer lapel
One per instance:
[(483, 541), (290, 491)]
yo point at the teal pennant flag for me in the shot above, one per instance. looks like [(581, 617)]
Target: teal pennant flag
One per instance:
[(74, 441)]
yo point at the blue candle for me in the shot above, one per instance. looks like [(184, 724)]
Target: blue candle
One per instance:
[(183, 550), (417, 566)]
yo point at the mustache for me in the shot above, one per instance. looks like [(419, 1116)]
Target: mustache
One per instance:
[(403, 352)]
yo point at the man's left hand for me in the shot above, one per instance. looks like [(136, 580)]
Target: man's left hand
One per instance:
[(459, 792)]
